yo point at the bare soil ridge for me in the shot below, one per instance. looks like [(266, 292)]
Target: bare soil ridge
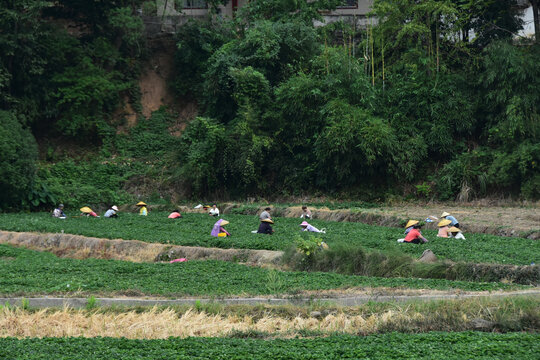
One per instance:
[(82, 247)]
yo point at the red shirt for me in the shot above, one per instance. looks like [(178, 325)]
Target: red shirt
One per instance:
[(413, 234)]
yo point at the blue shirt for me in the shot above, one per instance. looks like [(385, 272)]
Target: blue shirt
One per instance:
[(452, 219), (110, 213)]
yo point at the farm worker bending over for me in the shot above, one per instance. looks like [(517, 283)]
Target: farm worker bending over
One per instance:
[(307, 227), (456, 233), (265, 227), (410, 225), (175, 215), (214, 211), (443, 228), (142, 208), (112, 212), (265, 214), (59, 212), (306, 213), (218, 230), (86, 211), (453, 220), (414, 236)]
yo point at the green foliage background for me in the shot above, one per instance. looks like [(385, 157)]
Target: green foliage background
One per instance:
[(410, 106)]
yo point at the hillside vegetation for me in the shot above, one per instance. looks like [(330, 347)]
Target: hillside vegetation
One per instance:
[(412, 105)]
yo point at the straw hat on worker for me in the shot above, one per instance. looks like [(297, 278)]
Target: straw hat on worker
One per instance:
[(453, 220), (86, 211), (143, 210), (456, 233), (443, 228)]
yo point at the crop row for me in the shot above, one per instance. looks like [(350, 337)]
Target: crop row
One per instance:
[(194, 230), (33, 272), (435, 345)]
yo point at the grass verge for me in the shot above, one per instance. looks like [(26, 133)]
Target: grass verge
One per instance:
[(194, 230)]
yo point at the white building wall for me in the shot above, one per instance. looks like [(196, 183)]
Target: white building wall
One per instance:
[(167, 8)]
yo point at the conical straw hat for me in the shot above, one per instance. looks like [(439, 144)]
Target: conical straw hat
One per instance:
[(411, 223), (444, 222)]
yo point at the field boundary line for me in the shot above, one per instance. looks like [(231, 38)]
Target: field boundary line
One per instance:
[(46, 302)]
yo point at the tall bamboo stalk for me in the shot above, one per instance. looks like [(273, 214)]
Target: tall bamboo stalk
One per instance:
[(437, 44), (372, 55), (382, 56), (326, 55)]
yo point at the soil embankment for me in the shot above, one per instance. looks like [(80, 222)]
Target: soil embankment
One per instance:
[(82, 247), (500, 221)]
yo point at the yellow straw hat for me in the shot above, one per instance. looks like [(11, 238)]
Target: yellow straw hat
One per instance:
[(86, 210), (444, 214), (224, 222), (267, 221), (141, 203), (454, 229), (411, 223), (444, 222)]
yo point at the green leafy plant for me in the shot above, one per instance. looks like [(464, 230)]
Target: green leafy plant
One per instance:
[(91, 303)]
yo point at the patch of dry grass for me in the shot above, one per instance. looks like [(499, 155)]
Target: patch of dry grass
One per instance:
[(519, 314)]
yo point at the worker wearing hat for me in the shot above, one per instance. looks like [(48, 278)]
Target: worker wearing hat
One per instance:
[(112, 212), (59, 212), (443, 228), (265, 227), (86, 211), (453, 220), (218, 230), (456, 233), (308, 227), (410, 225), (143, 210), (414, 236)]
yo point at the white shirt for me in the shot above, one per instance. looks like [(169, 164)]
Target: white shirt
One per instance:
[(214, 212), (459, 236), (265, 215)]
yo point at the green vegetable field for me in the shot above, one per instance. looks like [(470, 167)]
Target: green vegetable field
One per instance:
[(435, 345), (194, 229), (32, 272)]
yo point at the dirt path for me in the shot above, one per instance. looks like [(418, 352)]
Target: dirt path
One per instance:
[(354, 299)]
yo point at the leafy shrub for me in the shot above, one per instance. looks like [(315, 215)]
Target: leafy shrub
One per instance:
[(150, 139), (87, 183), (199, 149)]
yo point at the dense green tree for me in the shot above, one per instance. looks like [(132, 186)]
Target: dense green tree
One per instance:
[(17, 163)]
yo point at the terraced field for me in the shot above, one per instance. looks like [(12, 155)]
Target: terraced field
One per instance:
[(194, 229), (29, 273)]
